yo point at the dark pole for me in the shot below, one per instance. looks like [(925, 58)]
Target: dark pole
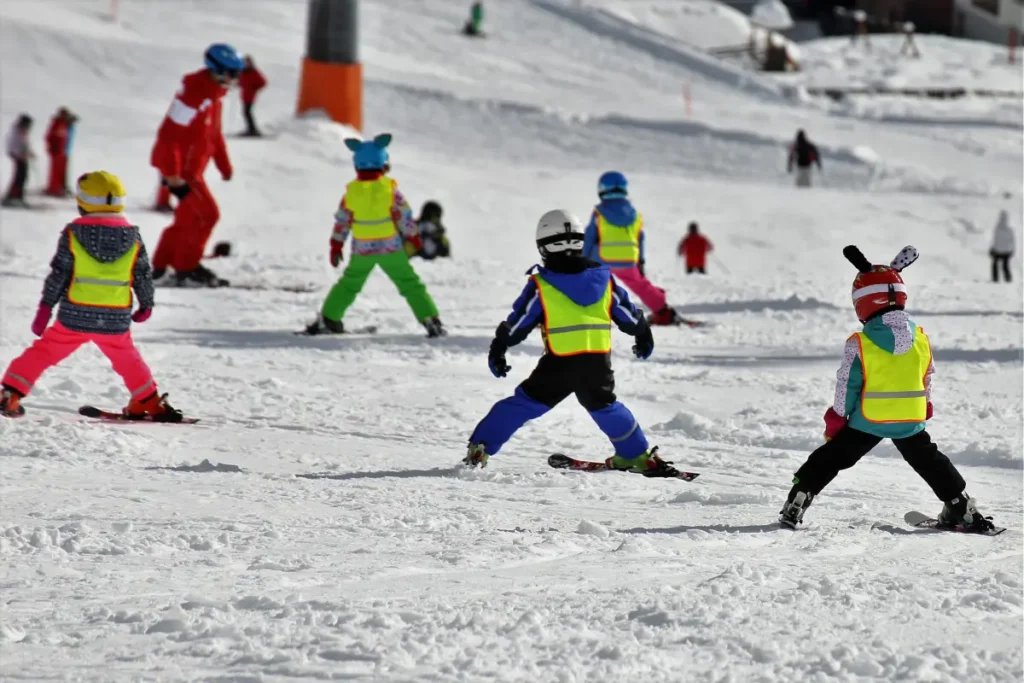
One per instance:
[(331, 72)]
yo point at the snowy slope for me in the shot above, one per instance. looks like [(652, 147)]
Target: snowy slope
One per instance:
[(383, 561)]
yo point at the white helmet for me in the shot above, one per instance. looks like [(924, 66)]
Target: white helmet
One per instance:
[(559, 231)]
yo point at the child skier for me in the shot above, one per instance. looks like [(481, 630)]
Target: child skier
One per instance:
[(380, 220), (883, 392), (100, 260), (615, 236), (575, 301)]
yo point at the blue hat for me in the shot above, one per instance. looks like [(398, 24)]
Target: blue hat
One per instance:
[(221, 58), (372, 155), (612, 185)]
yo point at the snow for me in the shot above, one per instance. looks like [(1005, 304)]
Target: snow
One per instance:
[(772, 14), (350, 544)]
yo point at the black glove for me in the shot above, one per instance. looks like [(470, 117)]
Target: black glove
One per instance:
[(644, 346), (496, 356), (640, 267), (181, 191)]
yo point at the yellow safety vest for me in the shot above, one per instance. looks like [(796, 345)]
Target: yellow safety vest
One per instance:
[(618, 244), (94, 283), (894, 385), (571, 329), (370, 203)]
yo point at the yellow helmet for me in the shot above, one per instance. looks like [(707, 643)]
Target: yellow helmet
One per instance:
[(100, 192)]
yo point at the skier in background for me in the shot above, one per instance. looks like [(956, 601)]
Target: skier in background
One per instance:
[(883, 392), (250, 83), (804, 154), (380, 221), (100, 261), (19, 148), (58, 146), (475, 24), (1003, 245), (615, 237), (433, 235), (188, 137), (575, 301), (694, 249)]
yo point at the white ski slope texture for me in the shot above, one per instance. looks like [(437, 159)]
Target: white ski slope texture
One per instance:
[(393, 564)]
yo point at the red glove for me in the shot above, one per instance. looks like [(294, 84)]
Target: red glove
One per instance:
[(416, 242), (834, 423), (336, 252), (142, 315), (41, 320), (930, 412)]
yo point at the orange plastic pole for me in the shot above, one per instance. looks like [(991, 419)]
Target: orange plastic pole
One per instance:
[(335, 88)]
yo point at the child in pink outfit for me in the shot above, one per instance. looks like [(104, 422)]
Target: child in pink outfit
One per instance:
[(615, 237), (99, 263)]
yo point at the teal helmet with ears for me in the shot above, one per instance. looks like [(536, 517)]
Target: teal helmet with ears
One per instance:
[(370, 155)]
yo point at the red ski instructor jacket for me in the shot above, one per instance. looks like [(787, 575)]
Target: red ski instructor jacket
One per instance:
[(191, 134)]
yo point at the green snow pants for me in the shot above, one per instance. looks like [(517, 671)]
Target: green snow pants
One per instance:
[(395, 266)]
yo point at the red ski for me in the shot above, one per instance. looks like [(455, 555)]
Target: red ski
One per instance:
[(563, 462), (108, 416)]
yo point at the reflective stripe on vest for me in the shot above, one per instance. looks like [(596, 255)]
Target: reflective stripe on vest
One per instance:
[(370, 203), (571, 329), (894, 385), (95, 283), (618, 244)]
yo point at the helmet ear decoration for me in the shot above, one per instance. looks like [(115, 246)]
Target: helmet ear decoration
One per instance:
[(907, 255), (854, 256), (353, 144)]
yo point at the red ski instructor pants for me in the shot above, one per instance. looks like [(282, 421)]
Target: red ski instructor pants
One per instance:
[(182, 244)]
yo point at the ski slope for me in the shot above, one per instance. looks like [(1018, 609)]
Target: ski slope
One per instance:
[(350, 545)]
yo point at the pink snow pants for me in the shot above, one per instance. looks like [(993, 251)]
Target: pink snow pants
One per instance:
[(58, 342), (651, 296)]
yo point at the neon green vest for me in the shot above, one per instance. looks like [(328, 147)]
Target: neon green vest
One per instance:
[(618, 244), (894, 385), (370, 203), (571, 329), (94, 283)]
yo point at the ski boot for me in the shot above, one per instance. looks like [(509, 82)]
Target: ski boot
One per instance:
[(435, 328), (962, 511), (648, 464), (155, 406), (476, 456), (10, 403), (207, 278), (792, 512), (666, 316), (324, 326)]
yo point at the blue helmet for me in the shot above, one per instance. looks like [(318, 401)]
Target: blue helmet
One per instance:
[(222, 59), (612, 185), (372, 155)]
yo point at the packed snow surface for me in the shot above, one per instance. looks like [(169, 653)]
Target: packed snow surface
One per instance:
[(339, 539)]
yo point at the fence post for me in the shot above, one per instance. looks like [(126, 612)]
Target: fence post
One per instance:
[(688, 99), (1013, 45)]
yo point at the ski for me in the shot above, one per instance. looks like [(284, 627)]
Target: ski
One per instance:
[(108, 416), (919, 520), (291, 289), (366, 329), (563, 462)]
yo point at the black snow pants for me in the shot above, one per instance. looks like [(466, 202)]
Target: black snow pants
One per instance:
[(850, 445)]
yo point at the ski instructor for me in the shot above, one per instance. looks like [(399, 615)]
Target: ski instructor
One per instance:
[(189, 137)]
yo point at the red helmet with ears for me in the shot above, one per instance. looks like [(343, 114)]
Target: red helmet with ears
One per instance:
[(878, 289)]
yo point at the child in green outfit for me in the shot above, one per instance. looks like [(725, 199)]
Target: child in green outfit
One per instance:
[(380, 220)]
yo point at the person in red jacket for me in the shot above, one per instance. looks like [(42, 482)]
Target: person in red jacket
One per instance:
[(58, 137), (694, 248), (189, 137), (250, 82)]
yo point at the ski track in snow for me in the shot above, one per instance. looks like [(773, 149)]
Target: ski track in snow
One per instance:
[(345, 542)]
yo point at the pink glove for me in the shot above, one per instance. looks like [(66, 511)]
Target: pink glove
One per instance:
[(41, 320), (336, 252), (931, 411), (834, 423), (142, 315)]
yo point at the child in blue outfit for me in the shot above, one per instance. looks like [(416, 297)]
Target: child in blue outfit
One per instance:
[(575, 301), (883, 391)]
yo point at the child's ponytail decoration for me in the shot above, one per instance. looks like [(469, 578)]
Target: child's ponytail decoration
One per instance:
[(907, 255), (854, 256)]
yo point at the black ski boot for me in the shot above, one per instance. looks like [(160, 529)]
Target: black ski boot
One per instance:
[(207, 278), (435, 328), (10, 402), (962, 512), (324, 326), (792, 512)]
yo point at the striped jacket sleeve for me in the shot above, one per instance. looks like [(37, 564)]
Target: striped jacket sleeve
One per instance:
[(527, 313), (401, 213)]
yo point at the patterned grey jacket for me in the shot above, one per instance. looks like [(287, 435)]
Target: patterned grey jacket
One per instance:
[(107, 237)]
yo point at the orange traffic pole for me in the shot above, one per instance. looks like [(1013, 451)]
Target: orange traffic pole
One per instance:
[(332, 77)]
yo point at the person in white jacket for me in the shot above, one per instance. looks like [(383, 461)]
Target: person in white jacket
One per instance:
[(1002, 247)]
